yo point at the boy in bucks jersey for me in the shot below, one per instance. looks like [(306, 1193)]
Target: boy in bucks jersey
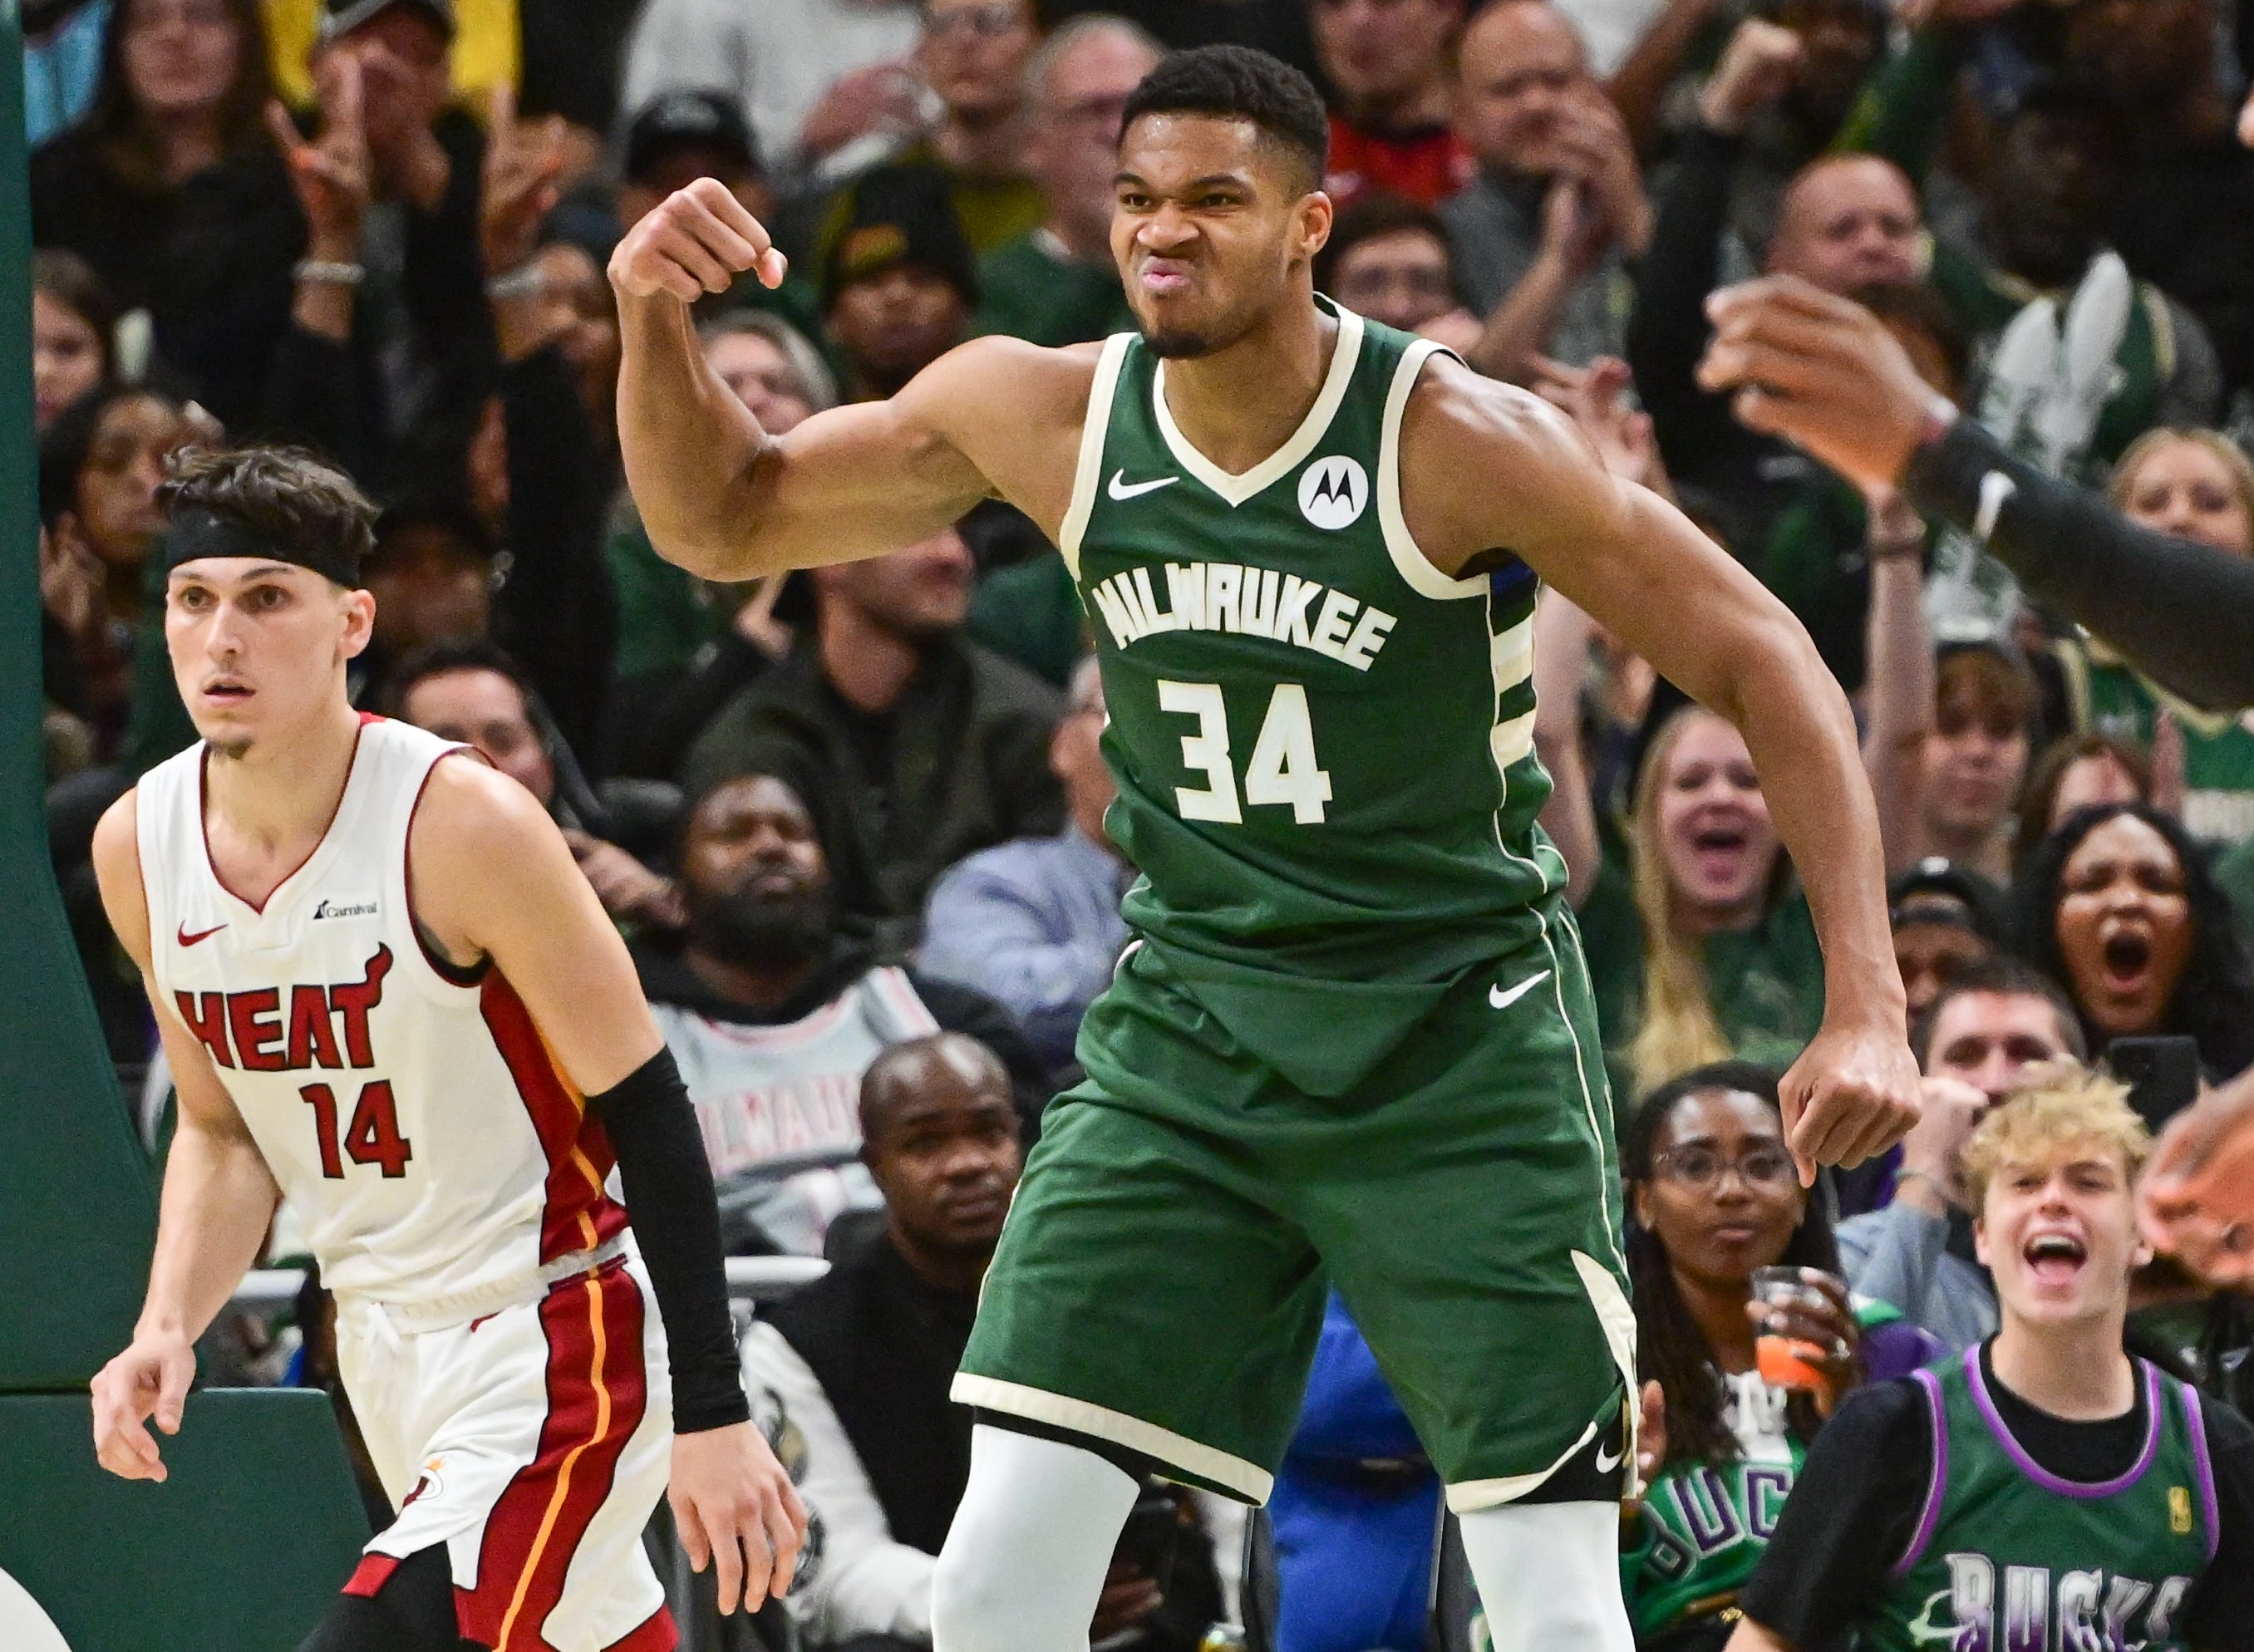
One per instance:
[(1353, 1039), (2045, 1492)]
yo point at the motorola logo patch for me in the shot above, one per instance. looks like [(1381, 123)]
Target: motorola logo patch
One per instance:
[(1334, 491)]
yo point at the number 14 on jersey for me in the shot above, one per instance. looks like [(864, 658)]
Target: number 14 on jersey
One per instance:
[(1283, 769)]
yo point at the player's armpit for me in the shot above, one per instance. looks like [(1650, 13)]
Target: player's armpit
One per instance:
[(490, 876)]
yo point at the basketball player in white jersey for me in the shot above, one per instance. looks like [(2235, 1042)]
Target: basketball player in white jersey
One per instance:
[(388, 995)]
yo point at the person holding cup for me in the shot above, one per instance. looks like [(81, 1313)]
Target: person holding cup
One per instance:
[(1714, 1204)]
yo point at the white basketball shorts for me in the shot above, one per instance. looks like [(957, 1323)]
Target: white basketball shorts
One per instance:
[(534, 1441)]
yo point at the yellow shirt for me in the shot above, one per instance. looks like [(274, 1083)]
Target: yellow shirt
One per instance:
[(486, 51)]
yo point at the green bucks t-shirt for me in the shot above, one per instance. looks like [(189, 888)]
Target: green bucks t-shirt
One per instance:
[(1325, 746), (2218, 747)]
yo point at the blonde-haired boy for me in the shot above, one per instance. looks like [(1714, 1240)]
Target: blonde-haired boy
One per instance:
[(2045, 1491)]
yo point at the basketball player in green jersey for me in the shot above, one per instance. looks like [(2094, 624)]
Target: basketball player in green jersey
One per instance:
[(2046, 1492), (1352, 1041)]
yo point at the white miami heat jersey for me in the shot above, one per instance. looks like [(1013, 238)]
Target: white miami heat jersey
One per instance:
[(412, 1113)]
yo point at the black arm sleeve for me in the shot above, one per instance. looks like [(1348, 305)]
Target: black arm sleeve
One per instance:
[(1851, 1514), (2222, 1616), (668, 1188), (2177, 610)]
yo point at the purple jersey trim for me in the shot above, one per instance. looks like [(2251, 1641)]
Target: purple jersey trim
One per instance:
[(2042, 1476), (2205, 1465), (1937, 1479)]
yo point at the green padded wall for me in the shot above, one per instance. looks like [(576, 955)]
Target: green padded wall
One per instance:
[(243, 1547), (77, 1211)]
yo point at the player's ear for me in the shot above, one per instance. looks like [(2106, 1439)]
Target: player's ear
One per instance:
[(359, 620), (1315, 213)]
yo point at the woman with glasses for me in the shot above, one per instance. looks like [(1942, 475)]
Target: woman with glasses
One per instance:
[(1713, 1197)]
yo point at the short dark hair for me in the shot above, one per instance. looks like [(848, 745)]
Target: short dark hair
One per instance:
[(2005, 977), (283, 494), (1239, 82), (1370, 217), (65, 278), (458, 653)]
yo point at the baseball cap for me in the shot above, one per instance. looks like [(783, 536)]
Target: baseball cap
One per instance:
[(693, 118), (900, 215), (1937, 890), (342, 17)]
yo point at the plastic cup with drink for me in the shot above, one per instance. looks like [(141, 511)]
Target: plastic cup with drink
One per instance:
[(1788, 1361)]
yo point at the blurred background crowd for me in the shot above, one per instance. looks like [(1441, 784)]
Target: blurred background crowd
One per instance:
[(852, 820)]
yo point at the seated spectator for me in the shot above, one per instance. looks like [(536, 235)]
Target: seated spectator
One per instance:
[(685, 645), (2046, 1484), (817, 82), (855, 1369), (1035, 924), (1700, 947), (2077, 771), (474, 693), (1389, 259), (1911, 1244), (972, 58), (1945, 920), (1059, 285), (74, 332), (1558, 205), (2196, 484), (898, 287), (774, 1011), (1949, 743), (1387, 65), (100, 463), (1843, 223), (2119, 907), (1712, 1196), (172, 191), (911, 746)]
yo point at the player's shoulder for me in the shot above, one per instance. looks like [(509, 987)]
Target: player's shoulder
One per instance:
[(997, 371), (1460, 411), (117, 858), (469, 807)]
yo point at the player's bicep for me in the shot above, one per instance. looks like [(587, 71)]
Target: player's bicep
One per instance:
[(823, 507), (494, 879)]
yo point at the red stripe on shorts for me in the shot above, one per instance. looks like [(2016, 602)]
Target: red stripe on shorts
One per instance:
[(596, 1392), (373, 1572), (579, 1216), (657, 1635)]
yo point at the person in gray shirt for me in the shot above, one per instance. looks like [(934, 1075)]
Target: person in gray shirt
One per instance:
[(1990, 1025)]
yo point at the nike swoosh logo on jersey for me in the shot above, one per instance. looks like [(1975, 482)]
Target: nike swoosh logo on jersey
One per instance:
[(1122, 488), (1607, 1462), (1502, 1000), (187, 939)]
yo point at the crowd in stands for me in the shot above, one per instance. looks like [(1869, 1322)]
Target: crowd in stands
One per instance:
[(851, 820)]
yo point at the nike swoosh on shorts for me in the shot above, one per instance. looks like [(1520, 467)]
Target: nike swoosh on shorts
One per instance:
[(1503, 999), (1122, 488)]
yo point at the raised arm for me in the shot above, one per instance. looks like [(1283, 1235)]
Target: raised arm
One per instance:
[(1901, 709), (720, 496), (219, 1198), (1638, 567)]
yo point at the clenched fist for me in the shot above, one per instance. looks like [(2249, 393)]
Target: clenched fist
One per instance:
[(696, 241)]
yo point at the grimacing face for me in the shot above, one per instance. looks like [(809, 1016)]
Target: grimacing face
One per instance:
[(1210, 219)]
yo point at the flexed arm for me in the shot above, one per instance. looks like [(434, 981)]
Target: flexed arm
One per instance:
[(720, 496)]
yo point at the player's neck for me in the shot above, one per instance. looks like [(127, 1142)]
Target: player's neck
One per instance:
[(2077, 1371), (277, 797), (1240, 404)]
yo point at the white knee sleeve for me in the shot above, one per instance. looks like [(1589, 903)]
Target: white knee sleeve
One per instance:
[(1024, 1559), (1548, 1575)]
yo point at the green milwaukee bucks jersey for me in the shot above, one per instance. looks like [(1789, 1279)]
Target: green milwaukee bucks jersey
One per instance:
[(1324, 746), (2009, 1558), (2218, 805)]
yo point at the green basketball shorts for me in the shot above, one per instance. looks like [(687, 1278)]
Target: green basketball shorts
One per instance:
[(1159, 1284)]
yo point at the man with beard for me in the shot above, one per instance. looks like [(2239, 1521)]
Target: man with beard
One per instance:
[(773, 1015), (909, 745)]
